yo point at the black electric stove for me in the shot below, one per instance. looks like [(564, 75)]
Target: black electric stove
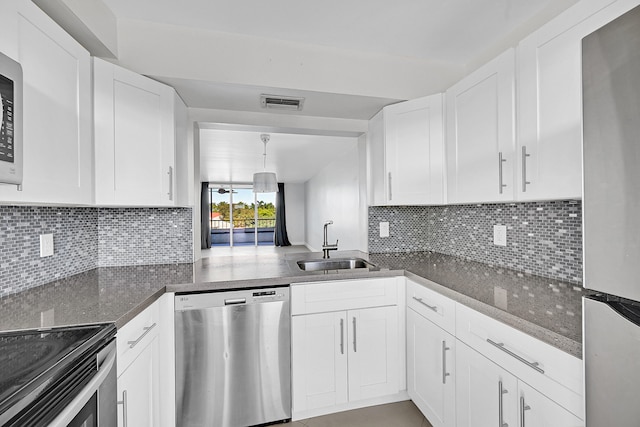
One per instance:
[(41, 369)]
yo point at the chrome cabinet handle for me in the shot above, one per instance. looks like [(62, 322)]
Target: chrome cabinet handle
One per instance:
[(523, 407), (389, 184), (500, 161), (445, 374), (354, 336), (341, 336), (500, 345), (524, 168), (501, 391), (170, 173), (431, 307), (123, 402), (146, 329)]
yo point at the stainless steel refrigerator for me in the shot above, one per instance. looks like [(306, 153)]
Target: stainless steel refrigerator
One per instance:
[(611, 212)]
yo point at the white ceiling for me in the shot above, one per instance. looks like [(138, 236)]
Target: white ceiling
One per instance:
[(443, 30), (234, 156)]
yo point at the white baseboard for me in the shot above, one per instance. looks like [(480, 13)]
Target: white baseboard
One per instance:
[(311, 248)]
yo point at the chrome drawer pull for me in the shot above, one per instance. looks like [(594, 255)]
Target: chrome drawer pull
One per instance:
[(123, 402), (431, 307), (523, 407), (445, 374), (500, 345), (524, 168), (501, 391), (501, 160), (341, 336), (354, 336), (146, 331), (170, 193)]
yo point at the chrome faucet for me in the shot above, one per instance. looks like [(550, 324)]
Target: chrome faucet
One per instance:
[(326, 247)]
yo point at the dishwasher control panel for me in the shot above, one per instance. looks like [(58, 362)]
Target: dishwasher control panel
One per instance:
[(199, 301)]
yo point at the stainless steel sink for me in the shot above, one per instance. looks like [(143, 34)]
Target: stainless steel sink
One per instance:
[(334, 264)]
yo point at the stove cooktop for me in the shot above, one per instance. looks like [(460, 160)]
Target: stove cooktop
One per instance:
[(32, 360)]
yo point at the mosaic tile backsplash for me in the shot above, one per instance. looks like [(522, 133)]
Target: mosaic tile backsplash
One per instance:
[(86, 238), (75, 236), (140, 236), (543, 238)]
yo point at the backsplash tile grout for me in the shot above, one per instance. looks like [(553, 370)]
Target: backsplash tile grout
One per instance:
[(543, 238)]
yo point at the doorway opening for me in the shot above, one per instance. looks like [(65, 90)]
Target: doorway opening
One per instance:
[(240, 217)]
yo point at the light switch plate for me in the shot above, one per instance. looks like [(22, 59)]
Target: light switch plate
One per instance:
[(500, 235), (384, 229), (46, 245)]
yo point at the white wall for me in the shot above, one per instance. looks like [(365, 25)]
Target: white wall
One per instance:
[(335, 194), (295, 212)]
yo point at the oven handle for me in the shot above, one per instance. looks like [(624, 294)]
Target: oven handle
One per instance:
[(68, 414)]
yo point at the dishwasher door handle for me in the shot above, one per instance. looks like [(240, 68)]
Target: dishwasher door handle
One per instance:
[(234, 301)]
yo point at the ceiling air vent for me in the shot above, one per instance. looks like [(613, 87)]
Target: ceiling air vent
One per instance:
[(281, 102)]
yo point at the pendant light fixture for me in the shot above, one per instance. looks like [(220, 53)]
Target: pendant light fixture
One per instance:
[(265, 182)]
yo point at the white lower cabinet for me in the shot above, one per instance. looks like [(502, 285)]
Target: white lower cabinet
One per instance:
[(319, 370), (348, 345), (138, 389), (537, 410), (431, 370), (484, 391), (488, 395), (146, 367), (344, 356)]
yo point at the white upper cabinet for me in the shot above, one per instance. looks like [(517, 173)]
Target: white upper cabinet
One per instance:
[(549, 151), (58, 145), (407, 153), (134, 137), (481, 134)]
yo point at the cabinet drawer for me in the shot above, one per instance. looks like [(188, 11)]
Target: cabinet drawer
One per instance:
[(321, 297), (553, 372), (432, 305), (133, 337)]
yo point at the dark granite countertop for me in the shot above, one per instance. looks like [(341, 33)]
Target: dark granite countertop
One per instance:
[(547, 309)]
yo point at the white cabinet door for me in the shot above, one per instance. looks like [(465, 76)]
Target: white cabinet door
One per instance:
[(550, 101), (138, 390), (57, 127), (537, 410), (319, 360), (431, 370), (373, 352), (414, 151), (485, 393), (481, 134), (134, 137)]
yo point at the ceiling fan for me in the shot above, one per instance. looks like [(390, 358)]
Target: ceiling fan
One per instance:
[(223, 191)]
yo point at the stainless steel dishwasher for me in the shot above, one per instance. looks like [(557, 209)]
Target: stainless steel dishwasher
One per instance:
[(233, 358)]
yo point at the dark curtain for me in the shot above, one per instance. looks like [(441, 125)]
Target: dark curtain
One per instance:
[(205, 217), (280, 238)]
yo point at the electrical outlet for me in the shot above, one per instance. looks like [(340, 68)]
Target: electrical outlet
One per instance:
[(384, 229), (500, 235), (46, 245)]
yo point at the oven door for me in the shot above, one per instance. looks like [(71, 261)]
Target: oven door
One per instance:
[(95, 405)]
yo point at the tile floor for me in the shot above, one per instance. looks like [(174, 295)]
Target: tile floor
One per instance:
[(401, 414)]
